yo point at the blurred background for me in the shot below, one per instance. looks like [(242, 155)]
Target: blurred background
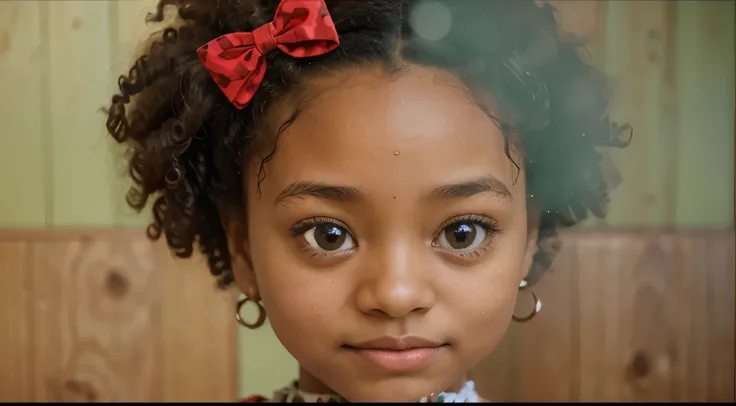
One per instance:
[(639, 307)]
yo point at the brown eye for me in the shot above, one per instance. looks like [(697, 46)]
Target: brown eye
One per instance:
[(462, 236), (329, 237)]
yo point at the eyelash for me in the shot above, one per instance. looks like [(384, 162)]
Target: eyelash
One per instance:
[(305, 225), (489, 225)]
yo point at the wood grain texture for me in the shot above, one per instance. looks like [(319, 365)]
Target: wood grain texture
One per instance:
[(16, 348), (628, 316), (104, 316), (108, 316), (96, 335), (201, 347)]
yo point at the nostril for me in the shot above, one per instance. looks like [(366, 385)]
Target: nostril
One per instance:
[(422, 310), (376, 312)]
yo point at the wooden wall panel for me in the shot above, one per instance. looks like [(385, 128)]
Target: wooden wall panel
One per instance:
[(198, 330), (671, 71), (128, 29), (23, 158), (638, 57), (108, 316), (16, 368), (97, 335), (704, 165), (627, 316), (80, 77)]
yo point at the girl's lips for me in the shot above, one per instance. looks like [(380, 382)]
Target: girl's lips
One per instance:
[(403, 361), (397, 354)]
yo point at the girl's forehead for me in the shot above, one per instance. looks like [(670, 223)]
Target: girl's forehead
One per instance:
[(418, 125), (408, 108)]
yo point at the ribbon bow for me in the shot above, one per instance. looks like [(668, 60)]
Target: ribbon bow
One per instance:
[(237, 61)]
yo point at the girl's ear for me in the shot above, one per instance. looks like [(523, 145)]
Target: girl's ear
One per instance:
[(236, 231), (532, 222)]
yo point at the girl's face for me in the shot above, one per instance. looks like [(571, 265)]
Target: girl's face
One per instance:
[(391, 235)]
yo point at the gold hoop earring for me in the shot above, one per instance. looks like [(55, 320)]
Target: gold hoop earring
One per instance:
[(261, 314), (537, 305)]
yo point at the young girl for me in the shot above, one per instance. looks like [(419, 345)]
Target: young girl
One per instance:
[(379, 177)]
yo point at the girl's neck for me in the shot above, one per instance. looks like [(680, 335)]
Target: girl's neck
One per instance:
[(310, 384)]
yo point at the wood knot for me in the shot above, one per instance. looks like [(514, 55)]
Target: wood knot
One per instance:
[(79, 391), (76, 23), (5, 42), (638, 367), (117, 285)]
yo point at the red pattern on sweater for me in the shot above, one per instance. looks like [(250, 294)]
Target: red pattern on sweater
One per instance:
[(254, 399)]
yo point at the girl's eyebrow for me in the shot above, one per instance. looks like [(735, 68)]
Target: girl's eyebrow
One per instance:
[(484, 184), (320, 191)]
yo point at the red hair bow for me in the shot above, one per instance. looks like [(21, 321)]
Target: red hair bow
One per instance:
[(237, 62)]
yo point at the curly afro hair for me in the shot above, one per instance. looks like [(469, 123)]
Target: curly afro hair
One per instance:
[(187, 143)]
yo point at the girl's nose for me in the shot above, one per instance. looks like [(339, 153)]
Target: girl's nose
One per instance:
[(395, 283)]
